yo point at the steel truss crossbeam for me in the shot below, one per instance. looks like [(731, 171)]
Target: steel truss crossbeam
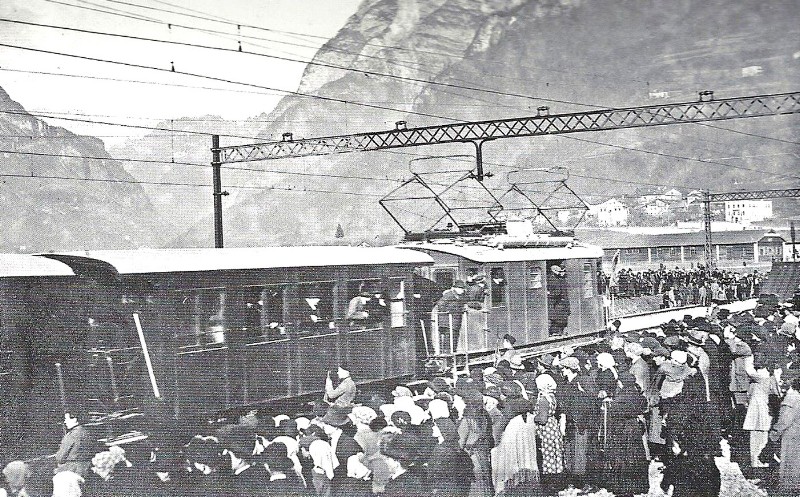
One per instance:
[(597, 120), (755, 195), (708, 198)]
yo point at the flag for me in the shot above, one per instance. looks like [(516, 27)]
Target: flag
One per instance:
[(614, 265)]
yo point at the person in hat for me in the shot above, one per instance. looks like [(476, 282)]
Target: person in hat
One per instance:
[(17, 474), (578, 418), (450, 312), (506, 349), (475, 437), (787, 430), (407, 474), (477, 292), (548, 429), (281, 479), (344, 393), (558, 306), (357, 312), (244, 477), (758, 419), (323, 460), (626, 460)]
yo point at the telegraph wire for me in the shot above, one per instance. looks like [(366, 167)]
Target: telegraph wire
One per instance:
[(308, 62), (172, 183), (225, 80), (179, 163), (209, 17), (695, 159)]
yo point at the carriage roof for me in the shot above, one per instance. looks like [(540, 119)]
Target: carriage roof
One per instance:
[(513, 253), (29, 266), (144, 261)]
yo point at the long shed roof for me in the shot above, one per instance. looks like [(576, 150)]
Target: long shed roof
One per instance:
[(614, 239), (145, 261)]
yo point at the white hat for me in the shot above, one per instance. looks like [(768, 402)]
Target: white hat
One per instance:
[(679, 356), (606, 360)]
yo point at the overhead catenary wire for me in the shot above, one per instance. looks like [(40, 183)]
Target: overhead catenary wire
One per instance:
[(309, 62)]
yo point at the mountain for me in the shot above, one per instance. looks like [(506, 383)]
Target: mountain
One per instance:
[(42, 211), (569, 55)]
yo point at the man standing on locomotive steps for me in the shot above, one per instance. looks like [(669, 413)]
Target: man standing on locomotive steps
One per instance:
[(557, 299), (450, 309)]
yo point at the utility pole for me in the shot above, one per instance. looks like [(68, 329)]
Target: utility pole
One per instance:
[(709, 247), (216, 166)]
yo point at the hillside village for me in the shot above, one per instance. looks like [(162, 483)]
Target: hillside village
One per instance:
[(668, 207)]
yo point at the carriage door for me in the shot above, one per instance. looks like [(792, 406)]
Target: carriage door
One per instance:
[(535, 301), (498, 321)]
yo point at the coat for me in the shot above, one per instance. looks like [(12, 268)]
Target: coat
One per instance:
[(75, 452), (344, 394), (788, 429)]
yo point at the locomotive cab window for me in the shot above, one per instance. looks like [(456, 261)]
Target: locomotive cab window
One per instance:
[(367, 304), (498, 286), (444, 276), (588, 280)]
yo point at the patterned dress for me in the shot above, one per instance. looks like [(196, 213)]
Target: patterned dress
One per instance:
[(549, 435)]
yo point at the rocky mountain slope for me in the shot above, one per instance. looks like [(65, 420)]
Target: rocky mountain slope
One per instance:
[(570, 55), (40, 211)]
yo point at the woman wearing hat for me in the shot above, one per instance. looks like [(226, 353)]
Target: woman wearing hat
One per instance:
[(625, 459), (475, 437), (787, 429), (550, 437)]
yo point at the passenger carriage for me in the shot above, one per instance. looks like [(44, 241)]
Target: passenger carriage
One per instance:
[(232, 327)]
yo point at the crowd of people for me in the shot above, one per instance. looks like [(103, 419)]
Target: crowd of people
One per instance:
[(676, 410), (681, 287)]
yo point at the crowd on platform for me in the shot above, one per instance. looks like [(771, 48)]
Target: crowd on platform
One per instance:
[(676, 410), (681, 287)]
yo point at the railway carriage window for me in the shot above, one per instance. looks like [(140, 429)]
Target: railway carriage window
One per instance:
[(498, 286), (315, 308), (588, 283), (397, 295), (272, 312), (200, 316), (534, 277)]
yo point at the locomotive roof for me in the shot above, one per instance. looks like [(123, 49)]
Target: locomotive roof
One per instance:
[(21, 265), (489, 254), (209, 259)]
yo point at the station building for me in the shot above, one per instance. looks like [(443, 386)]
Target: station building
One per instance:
[(745, 249)]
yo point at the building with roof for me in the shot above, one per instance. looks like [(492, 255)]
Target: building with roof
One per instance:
[(747, 211), (612, 212), (731, 249)]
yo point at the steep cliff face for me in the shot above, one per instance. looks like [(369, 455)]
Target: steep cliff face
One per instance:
[(40, 212), (570, 55)]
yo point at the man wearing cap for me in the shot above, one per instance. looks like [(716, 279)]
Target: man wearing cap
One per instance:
[(344, 393), (450, 309), (557, 300)]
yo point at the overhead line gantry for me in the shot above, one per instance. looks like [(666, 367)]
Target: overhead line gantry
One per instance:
[(707, 108)]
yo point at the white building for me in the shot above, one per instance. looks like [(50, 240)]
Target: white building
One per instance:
[(612, 212), (747, 211)]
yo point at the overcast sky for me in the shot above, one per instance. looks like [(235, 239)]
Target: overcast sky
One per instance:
[(160, 95)]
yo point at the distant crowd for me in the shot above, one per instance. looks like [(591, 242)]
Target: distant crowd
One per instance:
[(680, 287), (677, 410)]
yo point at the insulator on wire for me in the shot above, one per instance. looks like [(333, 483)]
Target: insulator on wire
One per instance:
[(240, 46)]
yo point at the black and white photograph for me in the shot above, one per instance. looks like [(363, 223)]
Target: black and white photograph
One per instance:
[(399, 248)]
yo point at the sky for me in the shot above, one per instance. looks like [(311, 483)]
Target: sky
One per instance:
[(113, 92)]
